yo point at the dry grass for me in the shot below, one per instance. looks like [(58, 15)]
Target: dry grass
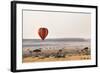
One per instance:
[(48, 59)]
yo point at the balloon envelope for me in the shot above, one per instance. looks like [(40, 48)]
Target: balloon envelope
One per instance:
[(43, 32)]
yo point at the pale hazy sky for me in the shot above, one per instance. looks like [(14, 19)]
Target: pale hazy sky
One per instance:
[(59, 24)]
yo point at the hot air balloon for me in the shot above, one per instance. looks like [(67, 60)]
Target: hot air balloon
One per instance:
[(43, 32)]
